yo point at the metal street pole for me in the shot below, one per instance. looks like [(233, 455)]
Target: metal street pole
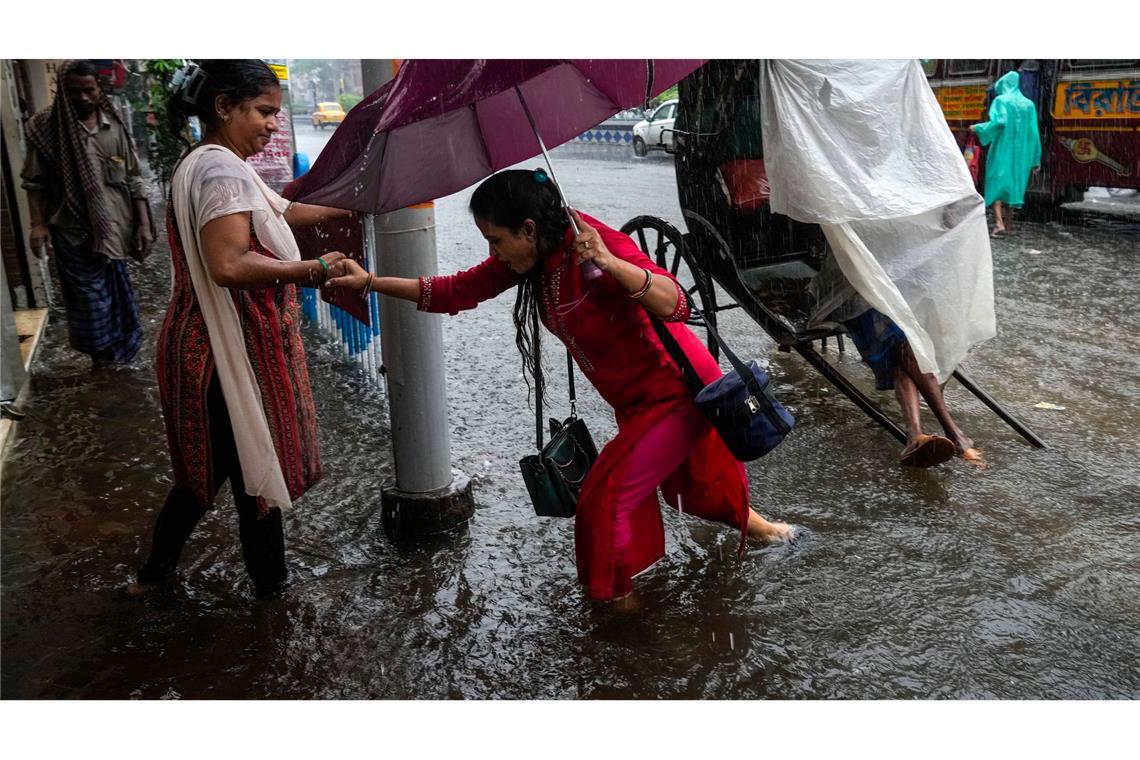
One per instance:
[(424, 497)]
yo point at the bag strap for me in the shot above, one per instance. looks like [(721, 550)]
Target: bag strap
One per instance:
[(538, 399), (692, 379), (538, 408), (570, 372), (688, 374)]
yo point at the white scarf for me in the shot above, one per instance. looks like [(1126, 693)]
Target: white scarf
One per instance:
[(209, 183)]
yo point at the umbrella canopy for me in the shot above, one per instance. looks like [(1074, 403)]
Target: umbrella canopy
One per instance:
[(442, 125)]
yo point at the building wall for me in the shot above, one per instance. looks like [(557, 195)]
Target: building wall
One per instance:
[(26, 86)]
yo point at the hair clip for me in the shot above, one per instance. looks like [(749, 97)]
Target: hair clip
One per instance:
[(188, 81), (195, 79), (540, 175)]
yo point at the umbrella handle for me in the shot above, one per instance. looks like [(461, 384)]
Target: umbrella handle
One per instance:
[(589, 269)]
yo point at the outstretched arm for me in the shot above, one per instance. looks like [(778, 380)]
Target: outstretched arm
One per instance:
[(306, 214), (362, 281), (449, 294)]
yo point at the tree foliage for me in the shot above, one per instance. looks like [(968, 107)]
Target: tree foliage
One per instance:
[(670, 94), (348, 100), (308, 67), (163, 148)]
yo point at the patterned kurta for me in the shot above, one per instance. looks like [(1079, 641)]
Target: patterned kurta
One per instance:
[(271, 321), (613, 342)]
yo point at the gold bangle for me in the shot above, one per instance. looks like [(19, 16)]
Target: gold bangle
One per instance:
[(367, 287), (644, 288)]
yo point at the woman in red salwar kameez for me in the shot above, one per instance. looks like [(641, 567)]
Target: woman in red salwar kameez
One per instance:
[(232, 376), (663, 439)]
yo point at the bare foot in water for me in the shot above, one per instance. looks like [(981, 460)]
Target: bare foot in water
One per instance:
[(767, 532), (629, 604), (136, 588), (974, 456), (144, 584), (964, 448)]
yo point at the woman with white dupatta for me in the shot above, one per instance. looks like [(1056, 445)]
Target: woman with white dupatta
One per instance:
[(232, 376)]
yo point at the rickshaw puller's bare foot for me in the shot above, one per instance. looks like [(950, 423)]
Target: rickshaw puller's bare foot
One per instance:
[(962, 442), (964, 448), (975, 457)]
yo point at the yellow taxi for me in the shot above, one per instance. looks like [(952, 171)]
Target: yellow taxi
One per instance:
[(327, 113)]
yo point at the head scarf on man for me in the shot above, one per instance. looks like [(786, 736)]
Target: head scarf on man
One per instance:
[(55, 132)]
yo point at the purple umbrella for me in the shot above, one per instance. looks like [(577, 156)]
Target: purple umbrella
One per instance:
[(442, 125)]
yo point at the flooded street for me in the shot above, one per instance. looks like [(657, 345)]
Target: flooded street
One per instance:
[(1020, 581), (310, 140)]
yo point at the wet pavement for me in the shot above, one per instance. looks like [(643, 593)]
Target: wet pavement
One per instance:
[(1020, 581)]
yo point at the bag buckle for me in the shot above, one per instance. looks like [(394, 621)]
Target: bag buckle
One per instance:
[(753, 404)]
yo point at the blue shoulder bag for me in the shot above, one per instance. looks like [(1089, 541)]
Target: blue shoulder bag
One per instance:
[(740, 405)]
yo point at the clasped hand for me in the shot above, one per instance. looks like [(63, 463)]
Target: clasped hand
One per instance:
[(338, 265), (351, 276), (589, 246)]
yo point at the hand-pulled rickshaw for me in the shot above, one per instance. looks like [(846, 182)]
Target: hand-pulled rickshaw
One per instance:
[(763, 261)]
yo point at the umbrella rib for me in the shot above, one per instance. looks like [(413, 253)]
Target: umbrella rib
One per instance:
[(383, 152), (479, 124)]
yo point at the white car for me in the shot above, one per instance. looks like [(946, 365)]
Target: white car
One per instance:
[(656, 132)]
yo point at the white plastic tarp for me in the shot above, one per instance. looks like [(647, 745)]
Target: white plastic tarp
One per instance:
[(862, 149)]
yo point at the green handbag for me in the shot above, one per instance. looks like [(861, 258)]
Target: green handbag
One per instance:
[(554, 476)]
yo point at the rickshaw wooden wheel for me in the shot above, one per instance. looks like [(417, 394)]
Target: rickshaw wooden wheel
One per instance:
[(665, 244)]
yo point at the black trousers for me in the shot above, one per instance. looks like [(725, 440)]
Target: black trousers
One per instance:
[(262, 541)]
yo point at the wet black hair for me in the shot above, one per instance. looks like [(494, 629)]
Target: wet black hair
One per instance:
[(238, 79), (508, 199)]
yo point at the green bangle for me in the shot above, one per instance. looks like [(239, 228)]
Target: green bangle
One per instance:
[(324, 264)]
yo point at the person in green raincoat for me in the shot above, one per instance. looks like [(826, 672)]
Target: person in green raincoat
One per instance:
[(1014, 149)]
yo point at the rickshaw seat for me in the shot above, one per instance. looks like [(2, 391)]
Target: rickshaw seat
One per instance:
[(747, 183)]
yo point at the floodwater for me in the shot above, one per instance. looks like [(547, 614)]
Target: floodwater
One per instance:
[(1020, 581)]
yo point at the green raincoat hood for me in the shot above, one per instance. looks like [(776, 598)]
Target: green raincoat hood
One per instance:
[(1008, 84)]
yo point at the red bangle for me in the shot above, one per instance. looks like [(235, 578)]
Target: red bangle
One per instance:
[(644, 288)]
